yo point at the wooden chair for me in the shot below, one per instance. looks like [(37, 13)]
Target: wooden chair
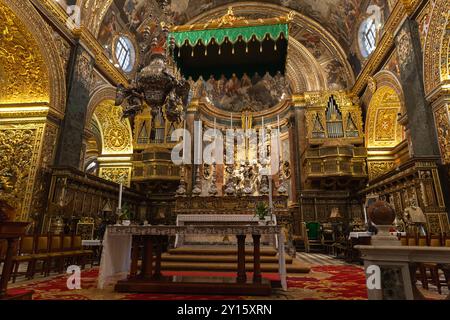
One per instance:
[(68, 253), (83, 256), (3, 247), (412, 241), (423, 241), (55, 254), (430, 271), (25, 255), (446, 241), (404, 240), (422, 271), (40, 253), (301, 242)]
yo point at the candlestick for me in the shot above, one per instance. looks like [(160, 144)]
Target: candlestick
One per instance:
[(120, 196), (200, 145), (184, 143), (279, 137), (263, 137)]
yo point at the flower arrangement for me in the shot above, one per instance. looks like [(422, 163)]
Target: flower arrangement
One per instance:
[(262, 211)]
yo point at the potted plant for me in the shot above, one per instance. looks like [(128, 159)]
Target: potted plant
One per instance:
[(262, 211), (126, 216)]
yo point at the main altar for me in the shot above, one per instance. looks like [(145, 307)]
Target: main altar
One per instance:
[(122, 246)]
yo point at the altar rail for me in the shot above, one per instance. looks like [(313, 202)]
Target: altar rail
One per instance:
[(398, 266)]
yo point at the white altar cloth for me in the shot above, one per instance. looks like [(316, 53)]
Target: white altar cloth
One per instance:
[(116, 258)]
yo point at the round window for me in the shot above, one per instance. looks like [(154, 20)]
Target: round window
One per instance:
[(125, 54)]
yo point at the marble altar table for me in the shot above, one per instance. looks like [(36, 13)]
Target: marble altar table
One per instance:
[(121, 252)]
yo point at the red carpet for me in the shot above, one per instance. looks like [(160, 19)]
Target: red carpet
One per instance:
[(324, 283)]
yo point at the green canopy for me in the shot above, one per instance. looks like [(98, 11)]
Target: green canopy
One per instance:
[(193, 37)]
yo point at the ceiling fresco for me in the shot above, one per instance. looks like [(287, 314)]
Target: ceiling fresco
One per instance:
[(341, 18), (338, 16)]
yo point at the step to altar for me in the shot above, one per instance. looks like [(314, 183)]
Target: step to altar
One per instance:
[(217, 258), (196, 285), (224, 259), (231, 267), (218, 251)]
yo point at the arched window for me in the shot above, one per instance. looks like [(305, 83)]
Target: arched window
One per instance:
[(368, 31), (125, 54), (370, 36)]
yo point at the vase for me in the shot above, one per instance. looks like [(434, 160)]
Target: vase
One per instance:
[(126, 223)]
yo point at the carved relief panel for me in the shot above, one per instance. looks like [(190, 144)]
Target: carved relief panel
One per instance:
[(117, 175), (442, 121), (23, 73), (19, 156)]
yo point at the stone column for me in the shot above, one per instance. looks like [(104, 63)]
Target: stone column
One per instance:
[(70, 146), (423, 127), (420, 118), (299, 111), (298, 145)]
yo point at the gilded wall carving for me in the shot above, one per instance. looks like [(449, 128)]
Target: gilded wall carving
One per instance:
[(386, 124), (404, 47), (23, 75), (40, 193), (383, 129), (378, 168), (442, 121), (19, 154), (116, 132), (117, 175), (64, 49), (84, 69), (436, 53)]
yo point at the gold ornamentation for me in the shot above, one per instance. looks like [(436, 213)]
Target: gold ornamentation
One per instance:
[(404, 48), (228, 19), (436, 52), (118, 175), (317, 103), (382, 126), (372, 84), (116, 132), (39, 198), (23, 74), (19, 153), (385, 124), (231, 20), (442, 121), (378, 168), (84, 69)]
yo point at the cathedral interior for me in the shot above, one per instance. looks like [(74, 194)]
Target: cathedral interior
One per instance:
[(339, 118)]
